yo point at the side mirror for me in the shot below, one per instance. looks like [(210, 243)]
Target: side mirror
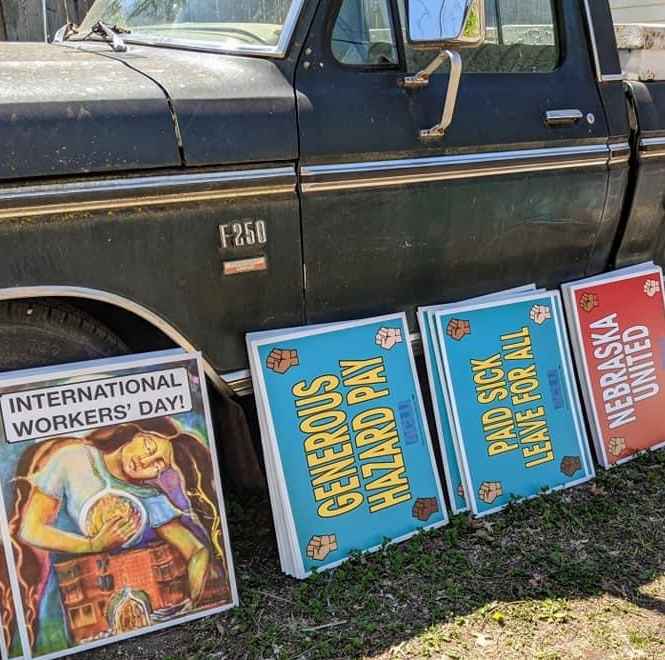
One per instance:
[(443, 24)]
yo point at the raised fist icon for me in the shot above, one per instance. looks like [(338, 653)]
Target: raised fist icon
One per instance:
[(319, 547), (387, 337), (540, 313), (616, 446), (570, 465), (651, 288), (489, 491), (458, 329), (281, 360), (589, 301), (424, 507)]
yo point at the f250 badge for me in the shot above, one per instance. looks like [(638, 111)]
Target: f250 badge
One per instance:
[(241, 234), (244, 233)]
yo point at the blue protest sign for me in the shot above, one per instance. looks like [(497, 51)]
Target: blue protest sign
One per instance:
[(349, 458), (513, 398), (441, 409)]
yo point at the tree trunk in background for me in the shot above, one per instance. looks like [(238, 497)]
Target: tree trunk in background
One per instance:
[(23, 20)]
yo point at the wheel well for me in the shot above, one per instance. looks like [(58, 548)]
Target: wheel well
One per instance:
[(137, 326), (138, 334)]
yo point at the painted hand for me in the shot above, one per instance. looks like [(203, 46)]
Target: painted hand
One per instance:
[(319, 547), (281, 360), (589, 301), (616, 446), (387, 337), (489, 491), (651, 288), (540, 313), (114, 533), (458, 329)]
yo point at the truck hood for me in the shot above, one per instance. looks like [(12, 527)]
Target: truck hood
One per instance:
[(230, 109), (64, 111), (79, 108)]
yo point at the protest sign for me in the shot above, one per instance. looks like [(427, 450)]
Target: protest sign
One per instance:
[(439, 394), (348, 454), (111, 507), (513, 398), (617, 323)]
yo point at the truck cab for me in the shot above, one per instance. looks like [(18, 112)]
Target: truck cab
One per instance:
[(185, 173)]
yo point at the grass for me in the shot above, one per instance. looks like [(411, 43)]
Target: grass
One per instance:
[(574, 574)]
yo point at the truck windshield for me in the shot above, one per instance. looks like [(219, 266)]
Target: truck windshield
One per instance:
[(257, 26)]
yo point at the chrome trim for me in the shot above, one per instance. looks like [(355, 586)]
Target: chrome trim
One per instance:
[(613, 77), (620, 153), (562, 117), (652, 147), (278, 51), (25, 292), (78, 196), (319, 178), (240, 382), (594, 43)]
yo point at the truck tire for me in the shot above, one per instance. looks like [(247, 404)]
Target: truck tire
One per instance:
[(41, 333)]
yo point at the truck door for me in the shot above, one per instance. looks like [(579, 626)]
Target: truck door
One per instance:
[(507, 197)]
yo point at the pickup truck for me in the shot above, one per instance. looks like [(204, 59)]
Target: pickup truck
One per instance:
[(180, 173)]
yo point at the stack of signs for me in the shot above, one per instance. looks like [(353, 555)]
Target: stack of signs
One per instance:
[(513, 398), (111, 507), (441, 400), (345, 439), (617, 324)]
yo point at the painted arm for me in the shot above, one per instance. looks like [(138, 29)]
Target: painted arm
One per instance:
[(194, 552), (37, 530)]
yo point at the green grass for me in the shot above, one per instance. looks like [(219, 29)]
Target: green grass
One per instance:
[(579, 573)]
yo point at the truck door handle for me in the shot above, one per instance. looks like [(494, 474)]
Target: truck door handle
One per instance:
[(555, 118)]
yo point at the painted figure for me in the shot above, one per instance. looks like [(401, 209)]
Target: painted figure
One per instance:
[(119, 529)]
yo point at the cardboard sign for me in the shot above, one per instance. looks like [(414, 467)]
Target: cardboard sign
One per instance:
[(348, 453), (111, 507), (439, 394), (618, 328), (514, 403)]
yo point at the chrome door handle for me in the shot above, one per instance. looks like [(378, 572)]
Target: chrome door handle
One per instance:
[(562, 117)]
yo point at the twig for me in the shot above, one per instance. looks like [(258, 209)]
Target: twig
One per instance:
[(332, 624), (266, 593)]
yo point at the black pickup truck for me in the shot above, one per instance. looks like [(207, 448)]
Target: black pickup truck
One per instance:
[(182, 172)]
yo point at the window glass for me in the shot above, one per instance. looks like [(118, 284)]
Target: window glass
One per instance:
[(228, 24), (521, 38), (363, 34)]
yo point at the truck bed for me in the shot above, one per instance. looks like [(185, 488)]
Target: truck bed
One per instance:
[(642, 50)]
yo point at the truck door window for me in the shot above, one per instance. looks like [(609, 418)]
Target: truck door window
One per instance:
[(522, 37), (363, 34)]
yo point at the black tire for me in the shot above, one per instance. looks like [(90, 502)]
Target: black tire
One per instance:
[(42, 333)]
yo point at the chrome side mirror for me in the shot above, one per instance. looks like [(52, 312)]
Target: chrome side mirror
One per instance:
[(445, 25)]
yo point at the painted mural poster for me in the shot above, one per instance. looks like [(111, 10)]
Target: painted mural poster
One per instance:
[(112, 512), (514, 401), (618, 327), (350, 462)]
